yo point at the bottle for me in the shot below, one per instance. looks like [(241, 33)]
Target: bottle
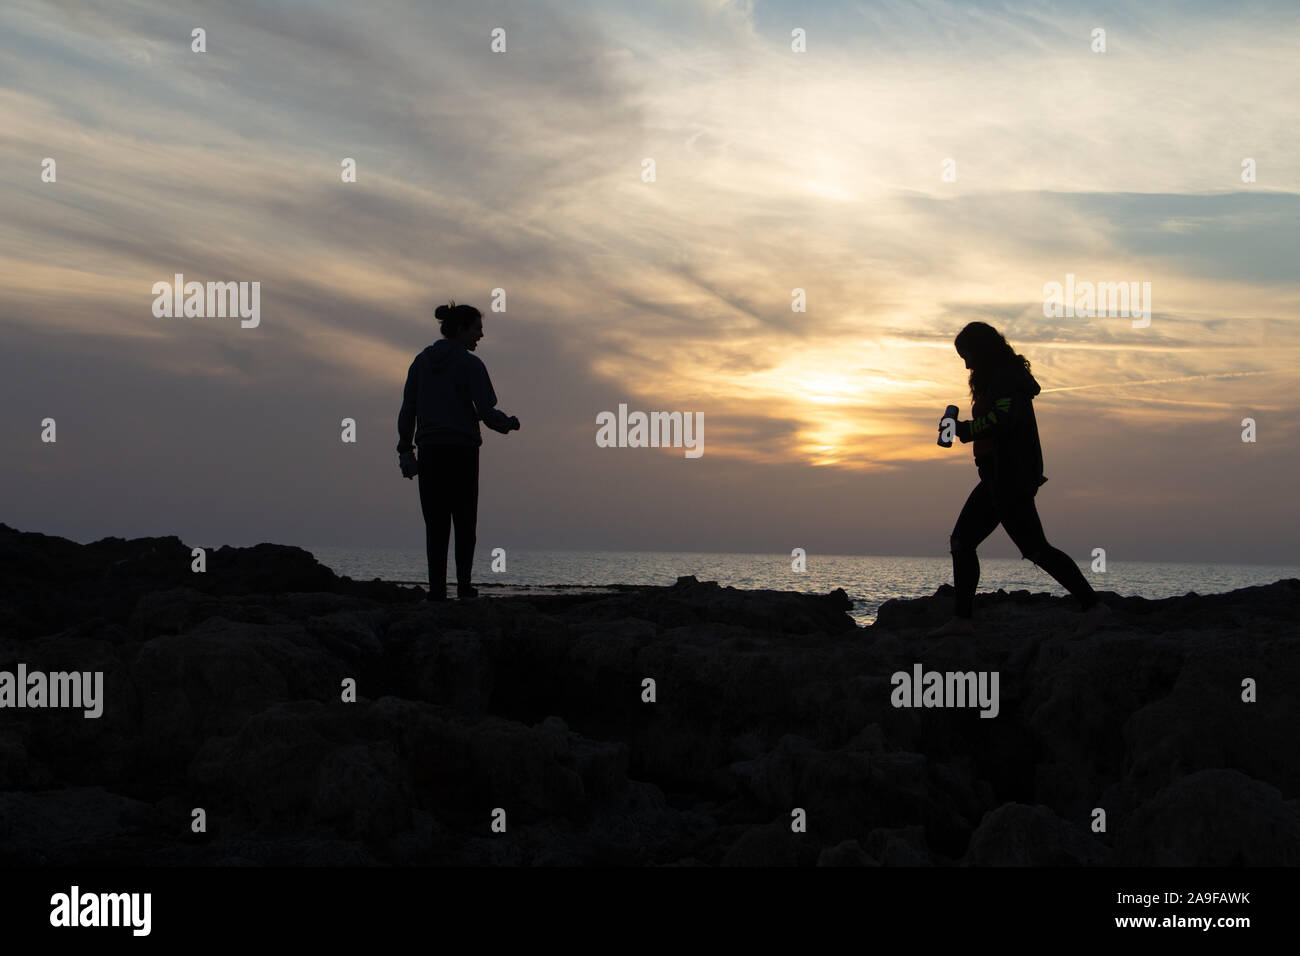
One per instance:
[(949, 412)]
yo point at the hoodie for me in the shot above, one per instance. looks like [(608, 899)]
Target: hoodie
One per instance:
[(1008, 454), (447, 393)]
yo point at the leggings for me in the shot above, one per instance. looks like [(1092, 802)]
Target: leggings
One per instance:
[(984, 510), (449, 492)]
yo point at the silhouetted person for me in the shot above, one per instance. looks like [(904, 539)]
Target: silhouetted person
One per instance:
[(447, 393), (1009, 459)]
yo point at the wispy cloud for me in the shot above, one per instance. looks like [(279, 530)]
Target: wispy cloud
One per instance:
[(775, 171)]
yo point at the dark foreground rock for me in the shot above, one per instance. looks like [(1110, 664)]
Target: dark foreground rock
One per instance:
[(225, 691)]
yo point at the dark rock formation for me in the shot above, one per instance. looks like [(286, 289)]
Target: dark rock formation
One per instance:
[(224, 691)]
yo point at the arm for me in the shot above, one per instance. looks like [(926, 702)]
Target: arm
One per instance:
[(485, 400), (406, 415), (998, 421)]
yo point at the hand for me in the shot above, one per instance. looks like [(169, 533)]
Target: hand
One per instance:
[(514, 423), (410, 467), (947, 431)]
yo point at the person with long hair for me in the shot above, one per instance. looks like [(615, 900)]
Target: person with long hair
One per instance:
[(1009, 459), (447, 394)]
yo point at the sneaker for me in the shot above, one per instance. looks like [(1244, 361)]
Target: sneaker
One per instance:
[(435, 596), (466, 592), (1096, 616), (957, 626)]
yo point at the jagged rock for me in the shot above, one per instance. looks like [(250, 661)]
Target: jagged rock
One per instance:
[(267, 769), (899, 846), (362, 790), (223, 691), (1018, 835), (68, 827), (211, 679), (848, 853), (1212, 818), (772, 845)]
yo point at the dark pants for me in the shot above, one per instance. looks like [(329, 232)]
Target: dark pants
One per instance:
[(984, 510), (449, 492)]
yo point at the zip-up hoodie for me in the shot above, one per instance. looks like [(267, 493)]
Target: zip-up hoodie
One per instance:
[(1008, 453), (447, 393)]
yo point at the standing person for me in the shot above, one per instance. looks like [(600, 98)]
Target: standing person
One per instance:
[(447, 393), (1009, 460)]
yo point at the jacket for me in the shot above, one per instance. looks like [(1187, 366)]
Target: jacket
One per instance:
[(447, 393), (1008, 454)]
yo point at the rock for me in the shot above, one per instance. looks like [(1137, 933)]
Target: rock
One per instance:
[(267, 769), (222, 690), (772, 845), (78, 826), (848, 853), (210, 680), (1212, 818), (1018, 835), (362, 790), (899, 846)]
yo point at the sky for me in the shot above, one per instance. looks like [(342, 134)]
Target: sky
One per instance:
[(916, 166)]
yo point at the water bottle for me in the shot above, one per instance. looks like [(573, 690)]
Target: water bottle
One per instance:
[(949, 412)]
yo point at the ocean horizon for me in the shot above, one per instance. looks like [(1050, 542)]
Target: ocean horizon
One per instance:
[(869, 580)]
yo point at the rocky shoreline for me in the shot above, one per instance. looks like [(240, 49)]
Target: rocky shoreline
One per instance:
[(226, 691)]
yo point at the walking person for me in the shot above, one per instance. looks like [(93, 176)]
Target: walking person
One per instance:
[(447, 394), (1009, 459)]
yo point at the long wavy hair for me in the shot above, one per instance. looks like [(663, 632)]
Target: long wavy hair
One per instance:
[(987, 351)]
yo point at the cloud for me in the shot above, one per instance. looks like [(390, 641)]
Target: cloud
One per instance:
[(775, 171)]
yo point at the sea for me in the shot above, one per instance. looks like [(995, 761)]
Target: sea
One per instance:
[(869, 580)]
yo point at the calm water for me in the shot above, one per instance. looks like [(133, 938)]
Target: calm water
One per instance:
[(869, 580)]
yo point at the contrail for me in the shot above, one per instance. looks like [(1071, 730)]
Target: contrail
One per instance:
[(1162, 381)]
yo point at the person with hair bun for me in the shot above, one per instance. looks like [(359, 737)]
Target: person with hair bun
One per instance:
[(1009, 459), (447, 394)]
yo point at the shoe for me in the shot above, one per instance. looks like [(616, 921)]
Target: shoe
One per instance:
[(466, 592), (1096, 616), (957, 626), (435, 597)]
